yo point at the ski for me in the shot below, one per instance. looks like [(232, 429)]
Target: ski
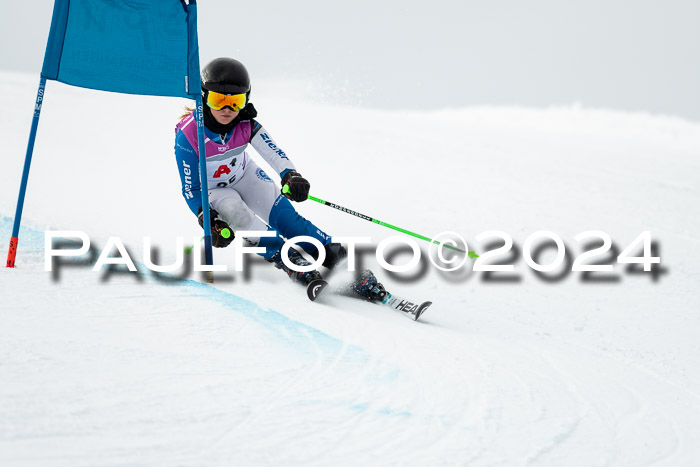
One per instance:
[(414, 310), (314, 288), (366, 287)]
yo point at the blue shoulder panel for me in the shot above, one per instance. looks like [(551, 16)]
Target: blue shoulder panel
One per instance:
[(188, 167)]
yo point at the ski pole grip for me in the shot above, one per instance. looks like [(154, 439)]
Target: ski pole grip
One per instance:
[(286, 191)]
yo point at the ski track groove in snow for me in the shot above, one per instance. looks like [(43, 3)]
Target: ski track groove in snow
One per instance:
[(310, 372)]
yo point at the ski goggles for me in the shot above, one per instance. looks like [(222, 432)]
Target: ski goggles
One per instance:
[(218, 101)]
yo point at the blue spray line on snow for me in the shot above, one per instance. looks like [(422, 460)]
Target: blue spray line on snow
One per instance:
[(33, 242), (301, 338), (286, 328)]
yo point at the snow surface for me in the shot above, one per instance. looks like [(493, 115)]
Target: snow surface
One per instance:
[(127, 369)]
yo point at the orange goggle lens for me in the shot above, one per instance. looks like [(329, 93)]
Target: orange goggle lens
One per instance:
[(218, 101)]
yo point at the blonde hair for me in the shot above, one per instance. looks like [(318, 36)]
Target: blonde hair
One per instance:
[(188, 111)]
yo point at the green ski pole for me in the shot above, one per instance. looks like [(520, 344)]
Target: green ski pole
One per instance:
[(471, 254)]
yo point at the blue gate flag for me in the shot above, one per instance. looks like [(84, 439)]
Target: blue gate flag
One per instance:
[(131, 46)]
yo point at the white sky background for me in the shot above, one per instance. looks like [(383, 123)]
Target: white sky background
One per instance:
[(627, 55)]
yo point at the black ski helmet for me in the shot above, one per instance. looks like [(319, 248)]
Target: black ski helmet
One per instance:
[(227, 76)]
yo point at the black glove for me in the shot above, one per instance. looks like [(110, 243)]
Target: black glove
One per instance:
[(221, 233), (298, 186)]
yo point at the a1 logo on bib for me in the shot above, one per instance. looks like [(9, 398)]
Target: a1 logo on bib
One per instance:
[(223, 169)]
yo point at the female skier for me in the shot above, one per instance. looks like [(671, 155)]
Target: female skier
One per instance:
[(241, 195)]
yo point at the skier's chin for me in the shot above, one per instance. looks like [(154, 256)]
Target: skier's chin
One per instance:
[(224, 120)]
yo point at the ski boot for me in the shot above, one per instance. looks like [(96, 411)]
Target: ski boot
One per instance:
[(295, 257), (335, 254), (367, 287)]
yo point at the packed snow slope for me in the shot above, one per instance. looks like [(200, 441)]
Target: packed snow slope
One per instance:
[(506, 369)]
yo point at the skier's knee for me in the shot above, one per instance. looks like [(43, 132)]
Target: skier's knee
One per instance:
[(235, 213)]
